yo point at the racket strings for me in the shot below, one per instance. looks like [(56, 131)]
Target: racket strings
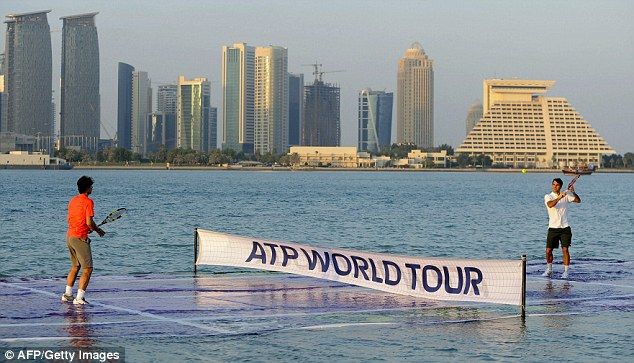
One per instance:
[(113, 216), (572, 182)]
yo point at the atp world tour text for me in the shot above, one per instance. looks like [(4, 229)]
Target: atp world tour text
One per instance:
[(430, 278)]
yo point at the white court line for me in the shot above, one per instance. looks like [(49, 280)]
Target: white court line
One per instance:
[(547, 301), (340, 325), (51, 338), (319, 313), (464, 321), (560, 314), (581, 282), (43, 339), (146, 297), (133, 278), (86, 323), (346, 325), (194, 296), (36, 339), (602, 284), (131, 311)]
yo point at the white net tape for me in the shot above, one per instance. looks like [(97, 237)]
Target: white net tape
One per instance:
[(493, 281)]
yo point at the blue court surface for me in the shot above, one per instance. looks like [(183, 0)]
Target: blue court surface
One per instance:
[(264, 316)]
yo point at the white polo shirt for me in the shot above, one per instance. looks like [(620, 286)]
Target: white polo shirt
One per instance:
[(558, 215)]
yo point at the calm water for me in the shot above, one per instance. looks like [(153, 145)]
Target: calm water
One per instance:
[(462, 215)]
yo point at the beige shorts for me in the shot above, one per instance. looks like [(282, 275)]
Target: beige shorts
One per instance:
[(80, 253)]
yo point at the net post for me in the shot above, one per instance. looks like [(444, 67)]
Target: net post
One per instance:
[(523, 287), (195, 248)]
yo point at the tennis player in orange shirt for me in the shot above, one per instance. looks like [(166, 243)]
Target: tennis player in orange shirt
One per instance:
[(80, 224)]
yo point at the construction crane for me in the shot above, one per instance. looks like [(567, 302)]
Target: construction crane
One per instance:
[(319, 73)]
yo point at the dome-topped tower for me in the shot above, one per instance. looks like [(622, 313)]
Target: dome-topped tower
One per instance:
[(415, 98)]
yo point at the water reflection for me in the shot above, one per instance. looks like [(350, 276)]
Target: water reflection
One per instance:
[(291, 295), (557, 308), (262, 303), (78, 327)]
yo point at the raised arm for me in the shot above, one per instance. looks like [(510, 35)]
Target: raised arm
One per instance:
[(553, 202), (577, 199)]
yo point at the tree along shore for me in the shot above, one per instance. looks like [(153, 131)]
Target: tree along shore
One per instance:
[(221, 158), (164, 166)]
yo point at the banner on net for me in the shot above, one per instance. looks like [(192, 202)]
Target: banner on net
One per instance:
[(493, 281)]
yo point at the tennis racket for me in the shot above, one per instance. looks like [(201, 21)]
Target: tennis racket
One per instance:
[(572, 182), (113, 216)]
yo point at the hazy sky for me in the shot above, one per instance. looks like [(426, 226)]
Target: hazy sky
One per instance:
[(585, 46)]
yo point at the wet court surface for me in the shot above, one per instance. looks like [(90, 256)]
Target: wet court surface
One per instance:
[(221, 317)]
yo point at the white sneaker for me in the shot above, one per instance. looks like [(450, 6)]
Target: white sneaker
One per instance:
[(564, 275), (67, 298), (81, 301), (547, 273)]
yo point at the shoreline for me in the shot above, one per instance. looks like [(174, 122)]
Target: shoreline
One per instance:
[(318, 169)]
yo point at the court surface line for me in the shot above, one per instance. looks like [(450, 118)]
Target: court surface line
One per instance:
[(131, 311), (87, 323), (535, 278), (462, 321), (548, 301)]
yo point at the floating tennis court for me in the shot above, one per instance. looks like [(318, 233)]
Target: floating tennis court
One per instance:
[(140, 310)]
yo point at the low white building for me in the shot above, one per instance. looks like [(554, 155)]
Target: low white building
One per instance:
[(11, 141), (382, 161), (421, 159), (333, 156), (364, 160), (28, 159)]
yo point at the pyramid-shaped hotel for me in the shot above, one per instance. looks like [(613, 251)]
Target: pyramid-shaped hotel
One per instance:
[(521, 127)]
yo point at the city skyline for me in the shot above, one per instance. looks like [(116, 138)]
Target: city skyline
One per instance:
[(463, 39)]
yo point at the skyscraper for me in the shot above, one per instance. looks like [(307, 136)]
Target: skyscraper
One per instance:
[(238, 66), (213, 128), (166, 98), (473, 116), (322, 123), (3, 99), (141, 108), (28, 74), (271, 100), (375, 120), (415, 98), (521, 127), (295, 108), (156, 131), (166, 104), (124, 106), (192, 114), (79, 102)]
